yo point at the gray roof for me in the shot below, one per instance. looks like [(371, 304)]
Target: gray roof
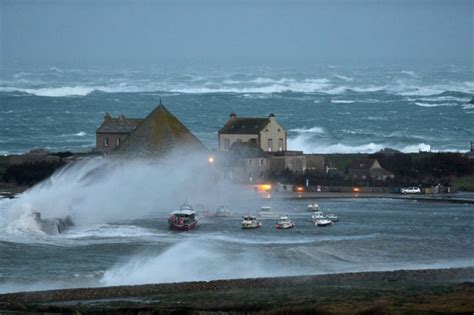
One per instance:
[(160, 132), (119, 125), (241, 125)]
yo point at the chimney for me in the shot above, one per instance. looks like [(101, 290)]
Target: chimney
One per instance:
[(271, 116), (232, 115), (107, 116)]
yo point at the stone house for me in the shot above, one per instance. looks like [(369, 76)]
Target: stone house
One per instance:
[(368, 169), (160, 132), (248, 163), (267, 133), (113, 131)]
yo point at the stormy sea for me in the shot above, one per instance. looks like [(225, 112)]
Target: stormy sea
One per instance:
[(325, 109), (120, 211)]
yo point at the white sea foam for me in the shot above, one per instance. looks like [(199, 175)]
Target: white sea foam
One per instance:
[(307, 143), (342, 101), (434, 104), (409, 73), (343, 77), (80, 134), (308, 130), (194, 260)]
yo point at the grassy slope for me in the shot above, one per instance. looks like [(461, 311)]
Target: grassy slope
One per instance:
[(465, 183)]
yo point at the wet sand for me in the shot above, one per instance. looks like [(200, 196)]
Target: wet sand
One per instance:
[(402, 291)]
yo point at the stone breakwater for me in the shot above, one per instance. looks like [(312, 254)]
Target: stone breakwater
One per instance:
[(327, 293)]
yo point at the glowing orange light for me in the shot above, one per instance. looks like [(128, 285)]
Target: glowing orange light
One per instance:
[(299, 188), (211, 159), (264, 187), (355, 189)]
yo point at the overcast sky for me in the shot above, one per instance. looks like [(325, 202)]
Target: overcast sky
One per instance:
[(239, 32)]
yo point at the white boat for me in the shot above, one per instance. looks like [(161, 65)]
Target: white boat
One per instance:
[(323, 222), (223, 212), (266, 213), (317, 215), (313, 207), (332, 217), (285, 223), (250, 222)]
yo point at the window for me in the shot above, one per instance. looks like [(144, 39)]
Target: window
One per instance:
[(250, 162), (261, 174), (270, 145), (226, 144), (253, 140), (280, 144), (106, 142), (238, 140), (262, 162), (117, 142)]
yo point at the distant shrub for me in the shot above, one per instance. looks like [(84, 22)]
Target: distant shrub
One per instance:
[(30, 173)]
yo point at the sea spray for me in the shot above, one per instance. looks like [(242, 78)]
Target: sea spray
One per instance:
[(196, 260), (102, 190)]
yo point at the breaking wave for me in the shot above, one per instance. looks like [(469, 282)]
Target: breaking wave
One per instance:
[(309, 130), (195, 261), (308, 145), (434, 104), (342, 101)]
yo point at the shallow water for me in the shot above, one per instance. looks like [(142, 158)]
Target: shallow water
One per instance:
[(372, 234)]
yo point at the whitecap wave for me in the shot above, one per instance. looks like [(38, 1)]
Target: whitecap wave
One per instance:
[(342, 101), (409, 73), (195, 261), (306, 143), (343, 77), (308, 130), (434, 104), (80, 134)]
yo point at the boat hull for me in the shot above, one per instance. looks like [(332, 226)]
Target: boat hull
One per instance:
[(323, 223), (284, 226), (183, 227), (251, 226)]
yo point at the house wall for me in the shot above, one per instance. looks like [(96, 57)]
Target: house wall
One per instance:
[(256, 169), (273, 131), (234, 138), (315, 162), (112, 141)]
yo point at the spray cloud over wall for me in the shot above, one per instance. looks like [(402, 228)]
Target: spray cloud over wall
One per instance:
[(103, 190)]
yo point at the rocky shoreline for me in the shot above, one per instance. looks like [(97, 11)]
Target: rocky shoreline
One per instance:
[(402, 291)]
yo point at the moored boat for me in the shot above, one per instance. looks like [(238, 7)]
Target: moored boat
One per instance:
[(332, 217), (285, 223), (250, 222), (267, 213), (323, 222), (184, 219), (317, 215), (313, 207), (223, 212)]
